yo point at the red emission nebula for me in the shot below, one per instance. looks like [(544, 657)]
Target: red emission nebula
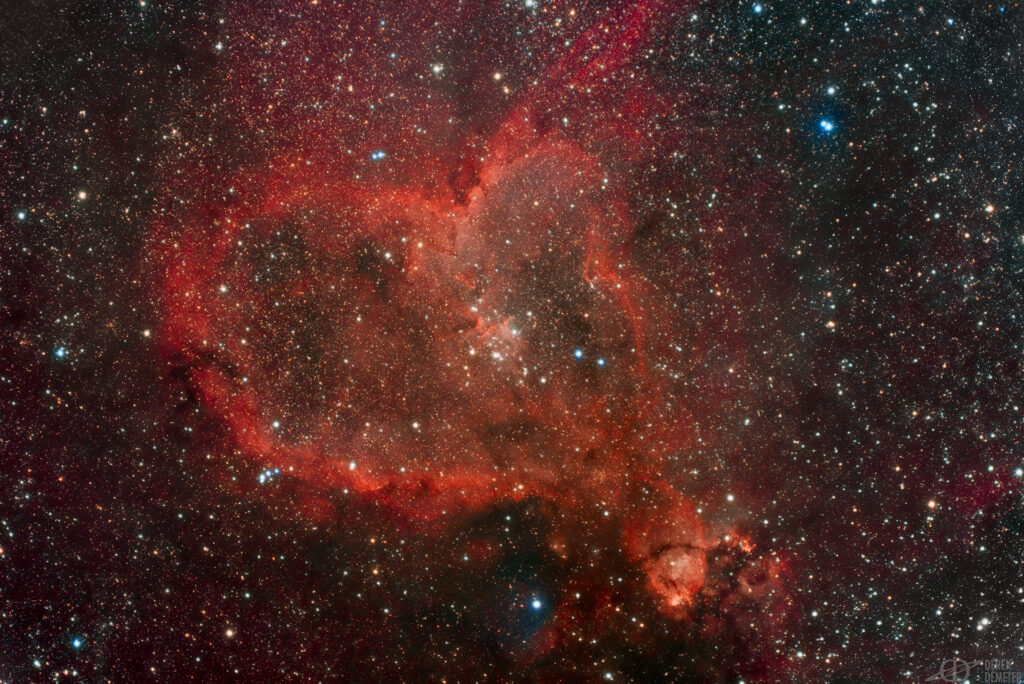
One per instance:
[(440, 320)]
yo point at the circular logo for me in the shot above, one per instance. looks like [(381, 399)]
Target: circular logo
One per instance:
[(954, 670)]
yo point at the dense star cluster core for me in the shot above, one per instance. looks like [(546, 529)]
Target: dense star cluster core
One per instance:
[(659, 340)]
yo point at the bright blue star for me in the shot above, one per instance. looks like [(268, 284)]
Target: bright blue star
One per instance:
[(826, 125), (77, 643), (758, 8), (537, 604), (60, 353), (601, 362), (378, 155), (578, 354), (268, 475)]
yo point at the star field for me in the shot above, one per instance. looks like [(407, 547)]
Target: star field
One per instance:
[(523, 340)]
